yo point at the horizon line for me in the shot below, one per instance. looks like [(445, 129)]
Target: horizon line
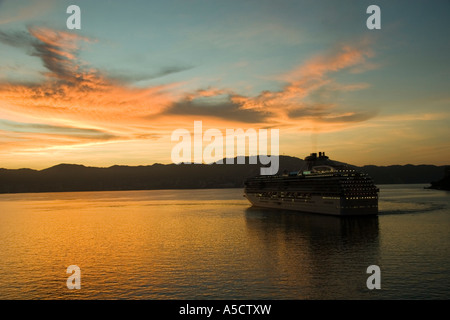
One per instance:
[(208, 164)]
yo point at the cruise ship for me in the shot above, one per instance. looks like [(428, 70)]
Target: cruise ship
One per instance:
[(323, 186)]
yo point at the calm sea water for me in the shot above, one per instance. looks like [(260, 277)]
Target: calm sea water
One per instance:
[(210, 244)]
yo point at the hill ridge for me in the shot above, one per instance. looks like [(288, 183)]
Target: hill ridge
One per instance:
[(78, 177)]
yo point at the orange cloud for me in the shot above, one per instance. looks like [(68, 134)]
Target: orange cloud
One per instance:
[(71, 89), (294, 103), (292, 106), (343, 57)]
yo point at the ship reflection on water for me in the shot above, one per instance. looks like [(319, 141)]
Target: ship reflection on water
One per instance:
[(326, 256)]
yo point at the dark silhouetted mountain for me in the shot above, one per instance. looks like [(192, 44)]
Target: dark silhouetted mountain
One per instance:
[(444, 183), (403, 174), (71, 177)]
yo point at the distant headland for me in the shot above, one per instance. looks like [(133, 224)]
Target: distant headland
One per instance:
[(73, 177), (444, 183)]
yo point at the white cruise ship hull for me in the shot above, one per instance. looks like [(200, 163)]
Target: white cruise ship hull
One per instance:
[(317, 204)]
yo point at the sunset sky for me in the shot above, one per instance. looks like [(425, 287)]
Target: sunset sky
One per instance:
[(114, 91)]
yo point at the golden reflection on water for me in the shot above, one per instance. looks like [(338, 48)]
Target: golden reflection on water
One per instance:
[(159, 245), (210, 244), (123, 247)]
